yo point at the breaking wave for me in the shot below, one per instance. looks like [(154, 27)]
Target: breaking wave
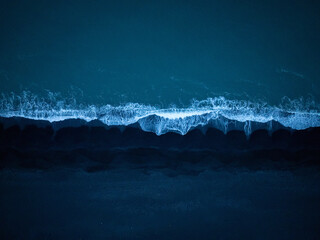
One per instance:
[(219, 112)]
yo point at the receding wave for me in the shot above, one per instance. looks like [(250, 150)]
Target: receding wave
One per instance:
[(221, 113)]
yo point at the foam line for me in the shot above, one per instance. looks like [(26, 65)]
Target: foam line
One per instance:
[(219, 112)]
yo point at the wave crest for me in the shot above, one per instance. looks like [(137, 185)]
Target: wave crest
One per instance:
[(219, 112)]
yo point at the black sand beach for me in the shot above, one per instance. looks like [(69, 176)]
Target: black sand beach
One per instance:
[(79, 181)]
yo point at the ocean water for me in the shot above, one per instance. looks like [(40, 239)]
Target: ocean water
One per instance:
[(158, 119), (187, 62)]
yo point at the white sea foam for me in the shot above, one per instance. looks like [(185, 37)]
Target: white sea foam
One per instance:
[(218, 112)]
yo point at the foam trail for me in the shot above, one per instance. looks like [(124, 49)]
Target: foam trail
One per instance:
[(219, 112)]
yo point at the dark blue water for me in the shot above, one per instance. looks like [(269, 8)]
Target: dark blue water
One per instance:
[(68, 55), (161, 52), (231, 90)]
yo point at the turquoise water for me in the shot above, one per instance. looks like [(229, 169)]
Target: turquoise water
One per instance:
[(160, 55)]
